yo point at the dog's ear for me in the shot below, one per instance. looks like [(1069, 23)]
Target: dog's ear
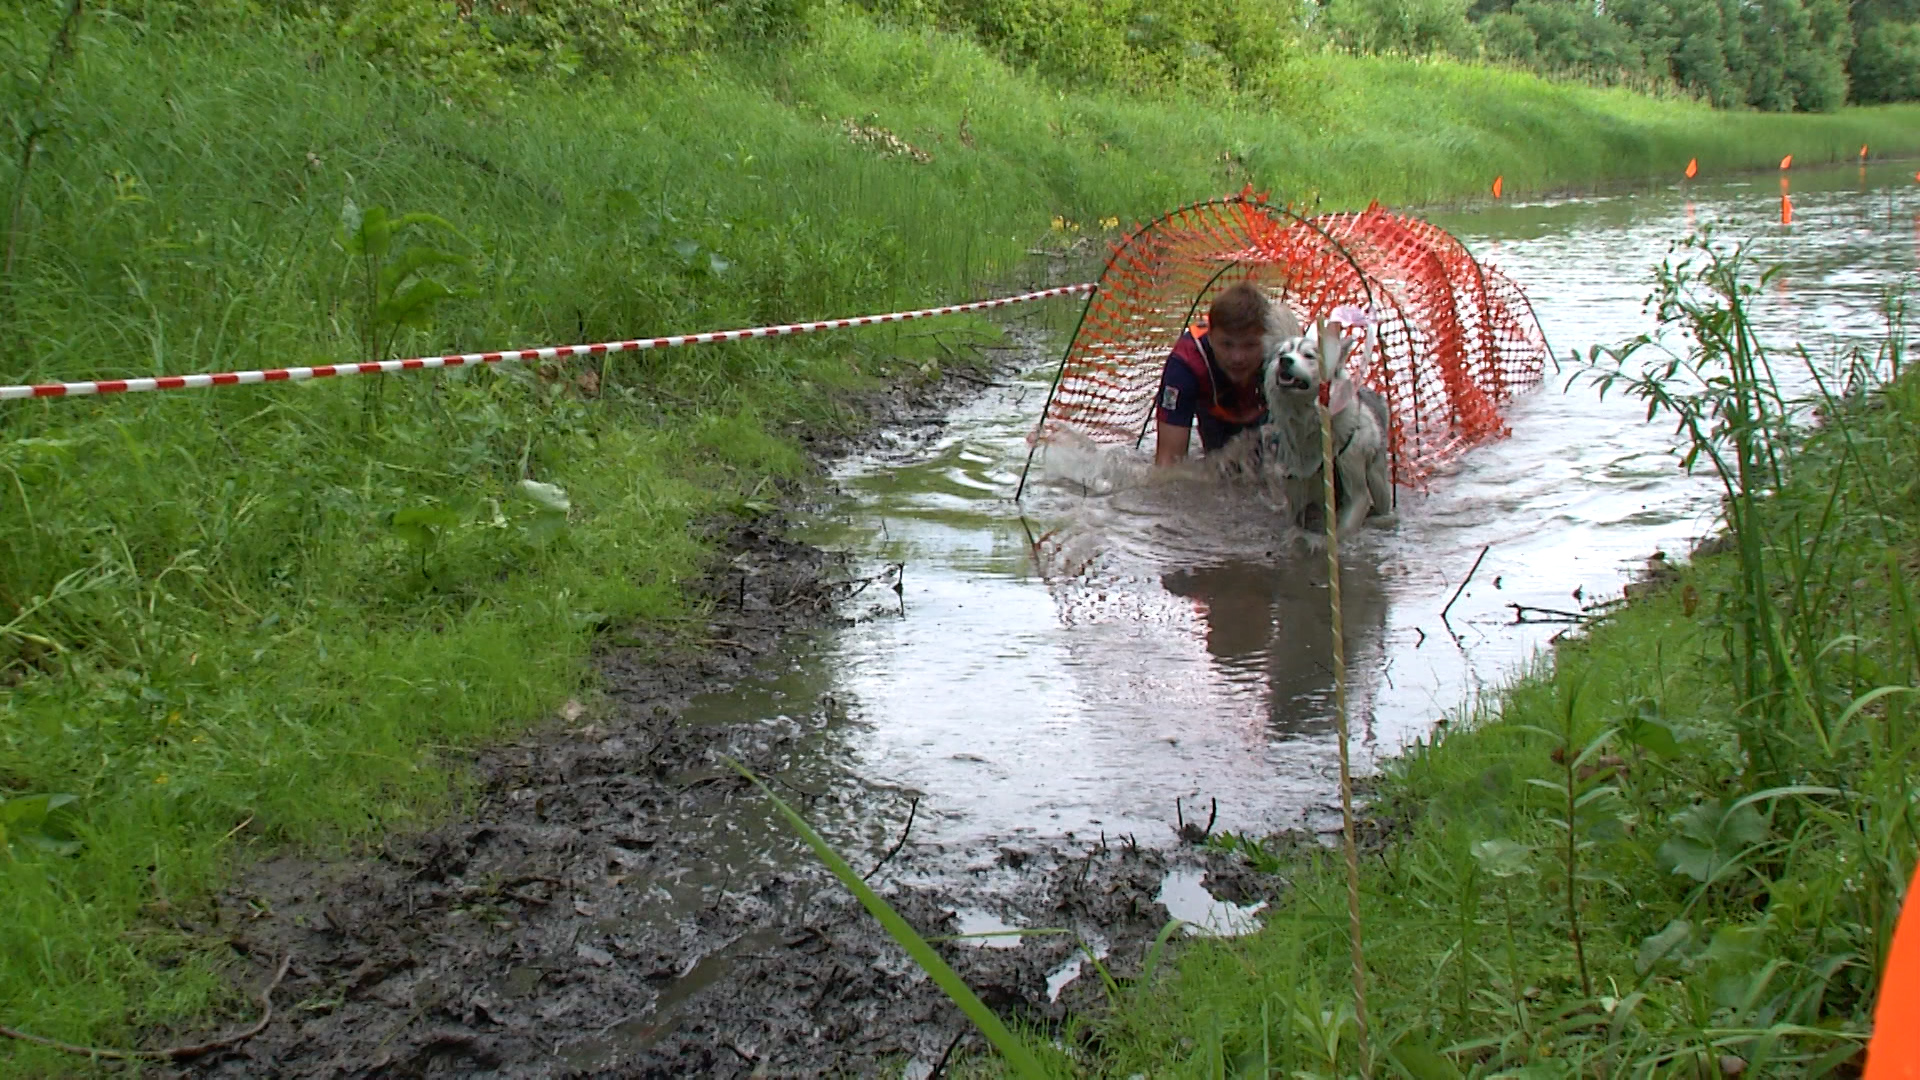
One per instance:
[(1333, 349)]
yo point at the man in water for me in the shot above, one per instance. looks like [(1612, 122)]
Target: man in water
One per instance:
[(1213, 375)]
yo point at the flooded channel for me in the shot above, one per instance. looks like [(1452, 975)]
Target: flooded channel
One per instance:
[(1117, 643), (1009, 744)]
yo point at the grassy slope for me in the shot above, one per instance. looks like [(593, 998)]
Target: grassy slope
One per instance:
[(240, 651), (1353, 129)]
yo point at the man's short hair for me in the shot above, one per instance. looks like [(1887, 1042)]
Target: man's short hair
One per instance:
[(1239, 309)]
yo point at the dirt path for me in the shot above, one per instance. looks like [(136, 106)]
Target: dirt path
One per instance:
[(618, 903)]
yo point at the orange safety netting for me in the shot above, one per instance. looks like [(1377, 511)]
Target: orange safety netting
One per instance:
[(1453, 339)]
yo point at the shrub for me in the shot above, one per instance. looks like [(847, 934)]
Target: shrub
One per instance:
[(1886, 63), (1796, 54), (1779, 55), (1574, 37), (1689, 40), (1407, 27), (1208, 46), (1507, 36)]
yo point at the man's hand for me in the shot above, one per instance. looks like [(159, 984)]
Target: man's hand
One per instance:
[(1170, 444)]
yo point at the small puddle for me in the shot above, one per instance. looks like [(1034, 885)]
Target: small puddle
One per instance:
[(1059, 978), (985, 930), (1184, 894)]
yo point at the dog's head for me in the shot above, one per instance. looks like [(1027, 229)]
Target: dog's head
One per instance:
[(1294, 366)]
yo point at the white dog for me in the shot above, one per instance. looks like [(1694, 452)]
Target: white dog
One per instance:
[(1289, 448)]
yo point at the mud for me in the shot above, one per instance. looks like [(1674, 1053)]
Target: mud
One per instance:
[(616, 901)]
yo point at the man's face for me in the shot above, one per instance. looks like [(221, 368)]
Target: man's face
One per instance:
[(1238, 352)]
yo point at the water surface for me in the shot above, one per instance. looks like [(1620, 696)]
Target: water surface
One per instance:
[(1115, 644)]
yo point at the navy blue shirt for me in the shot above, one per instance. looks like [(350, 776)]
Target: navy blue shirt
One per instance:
[(1188, 395)]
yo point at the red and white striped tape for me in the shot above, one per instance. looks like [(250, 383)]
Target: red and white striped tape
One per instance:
[(551, 352)]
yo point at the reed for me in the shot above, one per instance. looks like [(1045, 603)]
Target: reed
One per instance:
[(1349, 849)]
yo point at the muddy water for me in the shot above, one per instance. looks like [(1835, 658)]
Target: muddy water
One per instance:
[(1168, 643)]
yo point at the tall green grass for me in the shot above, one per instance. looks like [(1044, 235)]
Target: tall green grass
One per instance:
[(1348, 130), (1680, 847), (255, 616)]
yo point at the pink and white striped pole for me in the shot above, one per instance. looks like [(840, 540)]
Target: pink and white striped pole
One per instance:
[(551, 352)]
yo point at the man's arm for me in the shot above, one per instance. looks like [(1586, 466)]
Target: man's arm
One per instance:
[(1179, 396), (1170, 444)]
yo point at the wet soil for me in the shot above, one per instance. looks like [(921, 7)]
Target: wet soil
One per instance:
[(616, 901)]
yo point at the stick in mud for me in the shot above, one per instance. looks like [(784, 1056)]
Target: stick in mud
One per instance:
[(1464, 581), (968, 377), (902, 842), (1551, 614), (860, 584), (1193, 834), (941, 1065)]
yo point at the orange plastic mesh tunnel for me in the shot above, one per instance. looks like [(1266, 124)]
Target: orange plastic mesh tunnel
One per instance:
[(1452, 340)]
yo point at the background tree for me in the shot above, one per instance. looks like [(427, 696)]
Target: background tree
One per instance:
[(1885, 65)]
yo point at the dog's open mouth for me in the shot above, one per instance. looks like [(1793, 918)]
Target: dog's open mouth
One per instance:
[(1293, 384)]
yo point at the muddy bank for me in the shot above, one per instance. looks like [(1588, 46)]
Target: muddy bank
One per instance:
[(616, 902), (522, 945)]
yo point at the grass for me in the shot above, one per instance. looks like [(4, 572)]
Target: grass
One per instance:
[(1676, 849), (250, 617), (1354, 129)]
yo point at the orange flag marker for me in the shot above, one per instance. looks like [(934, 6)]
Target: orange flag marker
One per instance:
[(1863, 151), (1787, 162), (1496, 185), (1894, 1053), (1693, 168)]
